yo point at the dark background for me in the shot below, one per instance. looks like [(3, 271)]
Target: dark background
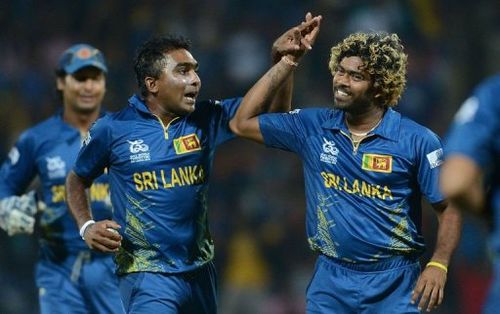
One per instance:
[(257, 200)]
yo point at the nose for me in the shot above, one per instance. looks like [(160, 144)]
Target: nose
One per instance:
[(340, 79), (195, 79), (88, 83)]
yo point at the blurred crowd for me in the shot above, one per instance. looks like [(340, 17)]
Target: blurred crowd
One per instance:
[(256, 200)]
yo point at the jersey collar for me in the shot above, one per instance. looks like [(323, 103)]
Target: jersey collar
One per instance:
[(136, 102), (67, 131), (388, 128)]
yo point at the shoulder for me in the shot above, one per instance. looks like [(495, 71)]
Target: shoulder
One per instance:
[(419, 136), (42, 131), (491, 83), (486, 95), (411, 127), (483, 99), (313, 114), (111, 120)]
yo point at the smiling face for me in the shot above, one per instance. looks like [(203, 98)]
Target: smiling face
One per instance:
[(175, 90), (352, 86), (83, 90)]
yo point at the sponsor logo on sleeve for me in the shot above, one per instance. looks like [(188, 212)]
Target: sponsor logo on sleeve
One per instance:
[(14, 155), (435, 158), (377, 163), (139, 151), (294, 111), (56, 167), (187, 144), (330, 152)]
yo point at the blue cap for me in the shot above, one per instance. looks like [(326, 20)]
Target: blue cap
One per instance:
[(80, 56)]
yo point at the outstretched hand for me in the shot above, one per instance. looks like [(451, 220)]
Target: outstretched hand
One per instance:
[(297, 40)]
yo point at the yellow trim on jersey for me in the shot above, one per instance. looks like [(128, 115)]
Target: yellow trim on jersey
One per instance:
[(165, 128)]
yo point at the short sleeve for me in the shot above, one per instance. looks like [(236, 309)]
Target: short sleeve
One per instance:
[(19, 168), (94, 155), (429, 158), (227, 111), (285, 131)]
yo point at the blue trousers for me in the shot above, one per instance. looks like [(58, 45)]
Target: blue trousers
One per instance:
[(83, 283), (383, 287), (190, 293)]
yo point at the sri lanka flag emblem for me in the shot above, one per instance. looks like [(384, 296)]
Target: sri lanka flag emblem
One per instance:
[(187, 144), (377, 163)]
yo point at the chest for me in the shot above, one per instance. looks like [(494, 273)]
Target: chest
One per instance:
[(56, 158), (150, 147), (374, 161)]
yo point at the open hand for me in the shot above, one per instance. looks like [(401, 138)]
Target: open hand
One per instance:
[(297, 40), (429, 290)]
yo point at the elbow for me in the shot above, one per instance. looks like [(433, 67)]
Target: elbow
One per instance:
[(236, 126), (74, 180)]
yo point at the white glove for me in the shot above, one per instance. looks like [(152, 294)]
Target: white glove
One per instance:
[(17, 213)]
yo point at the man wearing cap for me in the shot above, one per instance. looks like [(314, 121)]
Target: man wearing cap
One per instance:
[(70, 278)]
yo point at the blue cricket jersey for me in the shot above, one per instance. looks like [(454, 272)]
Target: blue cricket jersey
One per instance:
[(48, 150), (363, 205), (475, 133), (159, 181)]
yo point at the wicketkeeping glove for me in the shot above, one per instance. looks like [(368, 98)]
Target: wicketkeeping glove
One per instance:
[(17, 213)]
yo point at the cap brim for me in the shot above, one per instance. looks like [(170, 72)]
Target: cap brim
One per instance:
[(72, 68)]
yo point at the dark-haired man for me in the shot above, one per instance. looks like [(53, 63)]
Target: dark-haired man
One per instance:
[(366, 168), (159, 152), (70, 277)]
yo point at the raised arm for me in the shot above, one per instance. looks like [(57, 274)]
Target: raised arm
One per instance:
[(283, 45), (100, 235), (431, 283), (272, 93)]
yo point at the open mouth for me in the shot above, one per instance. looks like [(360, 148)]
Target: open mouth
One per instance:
[(341, 94), (191, 97)]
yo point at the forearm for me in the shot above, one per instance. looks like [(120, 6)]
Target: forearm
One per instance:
[(259, 99), (448, 237), (461, 183), (77, 199), (282, 101)]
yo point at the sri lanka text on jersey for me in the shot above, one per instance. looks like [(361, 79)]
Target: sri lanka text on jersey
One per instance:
[(356, 186), (181, 176)]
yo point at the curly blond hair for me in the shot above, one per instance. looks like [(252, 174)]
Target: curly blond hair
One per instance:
[(383, 57)]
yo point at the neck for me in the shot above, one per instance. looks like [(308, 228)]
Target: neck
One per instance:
[(80, 121), (155, 108), (363, 123)]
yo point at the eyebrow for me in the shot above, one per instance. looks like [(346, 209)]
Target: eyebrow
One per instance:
[(351, 72), (188, 64)]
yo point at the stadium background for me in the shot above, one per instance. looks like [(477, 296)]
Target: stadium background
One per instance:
[(256, 200)]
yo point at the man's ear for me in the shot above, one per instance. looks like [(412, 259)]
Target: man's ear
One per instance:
[(151, 84)]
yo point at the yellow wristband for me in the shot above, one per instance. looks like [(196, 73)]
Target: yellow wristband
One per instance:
[(289, 61), (438, 265)]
